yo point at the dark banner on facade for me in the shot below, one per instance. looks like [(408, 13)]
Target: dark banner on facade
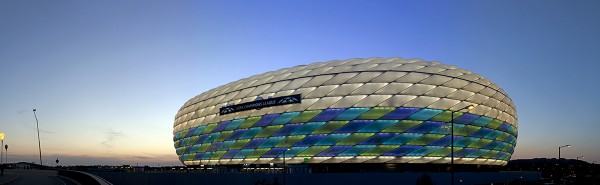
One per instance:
[(258, 104)]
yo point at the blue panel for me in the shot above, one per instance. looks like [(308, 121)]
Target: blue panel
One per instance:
[(481, 121), (286, 130), (445, 128), (229, 154), (234, 124), (251, 133), (273, 153), (424, 114), (221, 126), (378, 138), (212, 137), (351, 114), (426, 150), (333, 151), (308, 128), (377, 126), (503, 127), (226, 145), (460, 141), (494, 134), (510, 139), (402, 151), (310, 140), (254, 143), (293, 151), (328, 114), (466, 118), (266, 120), (190, 132), (425, 127), (271, 142), (236, 134), (481, 132), (201, 139), (464, 152), (199, 130), (400, 113), (243, 153), (501, 146), (188, 149), (214, 146), (492, 145), (198, 156), (353, 126), (444, 141), (207, 155), (356, 150), (501, 155), (331, 139), (285, 118), (402, 139)]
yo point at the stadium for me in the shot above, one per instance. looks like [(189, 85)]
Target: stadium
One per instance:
[(367, 111)]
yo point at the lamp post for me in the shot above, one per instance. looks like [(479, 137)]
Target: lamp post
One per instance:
[(38, 133), (580, 157), (469, 107), (560, 148), (284, 167), (1, 151), (6, 148)]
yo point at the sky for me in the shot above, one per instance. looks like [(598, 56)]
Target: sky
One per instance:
[(108, 77)]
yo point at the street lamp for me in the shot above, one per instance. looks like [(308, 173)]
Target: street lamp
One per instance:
[(560, 148), (580, 157), (1, 151), (469, 107), (6, 148), (284, 169), (38, 133)]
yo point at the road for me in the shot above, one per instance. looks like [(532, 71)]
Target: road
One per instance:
[(39, 177)]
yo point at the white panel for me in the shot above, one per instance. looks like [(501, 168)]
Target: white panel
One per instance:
[(484, 81), (263, 80), (324, 103), (456, 83), (229, 96), (372, 100), (499, 96), (491, 102), (452, 72), (488, 92), (412, 77), (304, 91), (283, 93), (473, 87), (408, 67), (339, 69), (435, 80), (461, 95), (321, 91), (348, 101), (470, 77), (443, 104), (363, 67), (302, 106), (385, 66), (259, 90), (388, 77), (277, 86), (297, 83), (317, 81), (319, 71), (262, 111), (477, 98), (393, 88), (440, 91), (492, 113), (279, 77), (396, 101), (243, 93), (421, 101), (431, 69), (368, 88), (297, 74), (364, 77), (340, 79), (479, 109), (417, 89), (344, 89)]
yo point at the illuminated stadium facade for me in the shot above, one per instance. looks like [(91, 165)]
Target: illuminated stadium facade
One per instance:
[(356, 111)]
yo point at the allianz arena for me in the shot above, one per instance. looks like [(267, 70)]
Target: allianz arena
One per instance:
[(368, 110)]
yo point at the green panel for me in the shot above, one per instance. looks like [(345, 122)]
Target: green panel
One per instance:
[(355, 138), (426, 139), (183, 133), (329, 127), (424, 114), (494, 124), (379, 150), (490, 154), (443, 152), (209, 128), (402, 126), (249, 122), (480, 143), (481, 121), (285, 118), (180, 151), (195, 148), (225, 146), (446, 116), (268, 131), (239, 144), (218, 155), (466, 130), (258, 152), (507, 148), (190, 157), (192, 140), (223, 136), (503, 136), (251, 133), (312, 151), (212, 137), (290, 140), (376, 113), (204, 147), (306, 116), (512, 130)]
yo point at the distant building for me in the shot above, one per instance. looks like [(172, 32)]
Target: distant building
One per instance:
[(368, 111)]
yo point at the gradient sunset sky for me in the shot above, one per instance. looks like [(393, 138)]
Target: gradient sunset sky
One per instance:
[(108, 77)]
